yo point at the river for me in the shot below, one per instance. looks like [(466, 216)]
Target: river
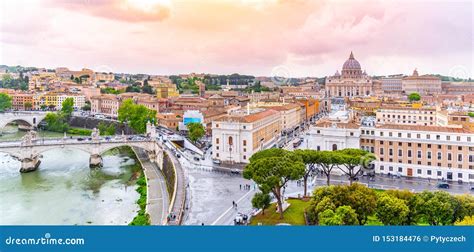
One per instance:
[(64, 190)]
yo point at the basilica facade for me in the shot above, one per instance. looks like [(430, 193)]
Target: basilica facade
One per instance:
[(351, 82)]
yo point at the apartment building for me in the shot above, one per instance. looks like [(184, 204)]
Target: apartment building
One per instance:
[(406, 115), (107, 104), (422, 151), (407, 150), (392, 84), (290, 116), (422, 84), (22, 101), (235, 138)]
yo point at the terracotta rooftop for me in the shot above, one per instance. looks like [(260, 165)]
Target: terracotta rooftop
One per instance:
[(432, 129), (249, 118)]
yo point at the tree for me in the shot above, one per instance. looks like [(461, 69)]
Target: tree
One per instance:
[(196, 131), (391, 210), (311, 158), (106, 130), (352, 162), (466, 221), (464, 206), (56, 122), (5, 102), (28, 105), (435, 207), (135, 115), (271, 169), (261, 201), (87, 106), (359, 197), (67, 106), (414, 97), (344, 215), (147, 88), (328, 160)]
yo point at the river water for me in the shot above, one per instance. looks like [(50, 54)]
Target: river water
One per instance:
[(64, 190)]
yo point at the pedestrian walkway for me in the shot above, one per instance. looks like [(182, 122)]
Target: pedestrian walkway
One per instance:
[(157, 194)]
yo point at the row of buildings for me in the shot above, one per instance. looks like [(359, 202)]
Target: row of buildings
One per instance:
[(353, 82)]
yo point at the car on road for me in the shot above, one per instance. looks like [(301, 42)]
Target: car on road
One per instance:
[(241, 219), (443, 185), (178, 155), (215, 161), (108, 138), (197, 159), (80, 139), (235, 171), (472, 188)]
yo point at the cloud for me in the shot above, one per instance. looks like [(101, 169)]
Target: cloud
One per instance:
[(121, 10)]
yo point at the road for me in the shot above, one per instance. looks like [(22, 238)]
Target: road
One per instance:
[(157, 197)]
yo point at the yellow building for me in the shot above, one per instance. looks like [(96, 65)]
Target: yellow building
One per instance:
[(164, 90)]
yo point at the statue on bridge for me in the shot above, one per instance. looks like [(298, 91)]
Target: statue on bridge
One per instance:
[(95, 134), (29, 138)]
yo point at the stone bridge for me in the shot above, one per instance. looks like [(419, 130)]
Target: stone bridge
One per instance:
[(29, 149), (27, 118)]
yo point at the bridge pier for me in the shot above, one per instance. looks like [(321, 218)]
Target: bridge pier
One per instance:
[(95, 161), (30, 164)]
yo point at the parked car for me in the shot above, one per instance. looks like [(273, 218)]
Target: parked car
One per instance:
[(215, 161), (196, 159), (177, 155), (443, 185), (80, 139)]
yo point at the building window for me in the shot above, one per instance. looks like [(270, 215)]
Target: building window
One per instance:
[(450, 157), (428, 172), (400, 169), (390, 168), (217, 140), (399, 152), (419, 154), (439, 155), (428, 154), (409, 153), (318, 148), (245, 157), (390, 152), (231, 141), (460, 157), (334, 147), (418, 171), (245, 143), (217, 154), (381, 168), (459, 175)]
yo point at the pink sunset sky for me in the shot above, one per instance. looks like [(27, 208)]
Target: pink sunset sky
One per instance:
[(267, 37)]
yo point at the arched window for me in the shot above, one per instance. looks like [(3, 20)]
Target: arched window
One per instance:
[(231, 142), (334, 147)]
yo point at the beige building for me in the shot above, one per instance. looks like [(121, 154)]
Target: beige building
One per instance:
[(422, 84), (406, 115), (351, 82), (406, 150), (106, 104), (290, 116), (423, 151), (235, 138)]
